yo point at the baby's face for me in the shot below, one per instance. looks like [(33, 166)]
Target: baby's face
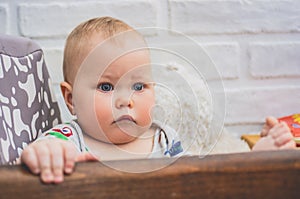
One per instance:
[(116, 106)]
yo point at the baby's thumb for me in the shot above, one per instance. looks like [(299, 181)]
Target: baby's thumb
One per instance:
[(271, 121), (85, 156)]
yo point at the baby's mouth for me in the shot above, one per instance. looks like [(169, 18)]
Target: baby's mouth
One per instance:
[(124, 118)]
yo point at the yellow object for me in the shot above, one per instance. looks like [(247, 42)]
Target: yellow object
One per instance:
[(251, 139)]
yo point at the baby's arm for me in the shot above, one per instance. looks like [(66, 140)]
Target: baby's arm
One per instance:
[(278, 136), (51, 158)]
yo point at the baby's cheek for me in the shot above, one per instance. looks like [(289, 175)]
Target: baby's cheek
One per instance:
[(146, 113), (146, 118), (103, 111)]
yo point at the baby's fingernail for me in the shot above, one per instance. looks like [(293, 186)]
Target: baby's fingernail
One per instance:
[(68, 170), (58, 179), (48, 177), (36, 171)]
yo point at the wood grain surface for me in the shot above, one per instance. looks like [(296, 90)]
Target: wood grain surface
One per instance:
[(243, 175)]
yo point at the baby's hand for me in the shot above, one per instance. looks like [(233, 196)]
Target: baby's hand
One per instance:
[(51, 158), (278, 137), (270, 123)]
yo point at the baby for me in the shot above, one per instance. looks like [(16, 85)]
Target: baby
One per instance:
[(108, 86)]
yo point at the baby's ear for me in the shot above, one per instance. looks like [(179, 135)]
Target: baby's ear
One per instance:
[(66, 90)]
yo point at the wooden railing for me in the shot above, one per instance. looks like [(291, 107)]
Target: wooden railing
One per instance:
[(244, 175)]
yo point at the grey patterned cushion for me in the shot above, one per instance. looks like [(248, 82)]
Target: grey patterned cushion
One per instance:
[(27, 106)]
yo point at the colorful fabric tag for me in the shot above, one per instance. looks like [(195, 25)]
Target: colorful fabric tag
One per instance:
[(175, 149)]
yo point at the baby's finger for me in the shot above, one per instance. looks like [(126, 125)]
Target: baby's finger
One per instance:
[(265, 130), (70, 153), (57, 161), (30, 159), (279, 129), (271, 121), (44, 159), (289, 145), (283, 139)]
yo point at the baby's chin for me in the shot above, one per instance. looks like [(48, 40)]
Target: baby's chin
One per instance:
[(120, 140), (123, 134)]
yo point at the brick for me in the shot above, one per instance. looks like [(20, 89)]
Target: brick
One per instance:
[(54, 61), (275, 59), (226, 58), (241, 129), (58, 19), (252, 105), (235, 16), (3, 18), (221, 59)]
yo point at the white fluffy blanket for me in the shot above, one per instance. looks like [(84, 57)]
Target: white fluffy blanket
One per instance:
[(184, 103)]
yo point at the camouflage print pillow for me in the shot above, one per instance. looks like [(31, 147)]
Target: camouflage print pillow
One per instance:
[(27, 106)]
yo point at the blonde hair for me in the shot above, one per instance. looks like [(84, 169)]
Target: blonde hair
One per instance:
[(78, 43)]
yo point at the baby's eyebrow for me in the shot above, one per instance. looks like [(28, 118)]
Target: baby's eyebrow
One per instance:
[(136, 76), (140, 76), (108, 76)]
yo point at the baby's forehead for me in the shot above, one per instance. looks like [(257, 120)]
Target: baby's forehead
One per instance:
[(101, 53), (135, 64)]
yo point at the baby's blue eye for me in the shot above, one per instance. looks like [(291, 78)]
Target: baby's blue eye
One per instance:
[(106, 87), (138, 86)]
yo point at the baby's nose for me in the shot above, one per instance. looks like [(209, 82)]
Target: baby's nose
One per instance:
[(123, 102)]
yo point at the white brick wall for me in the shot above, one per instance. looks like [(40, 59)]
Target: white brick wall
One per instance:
[(226, 56), (239, 16), (138, 13), (270, 59), (255, 44), (3, 18)]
